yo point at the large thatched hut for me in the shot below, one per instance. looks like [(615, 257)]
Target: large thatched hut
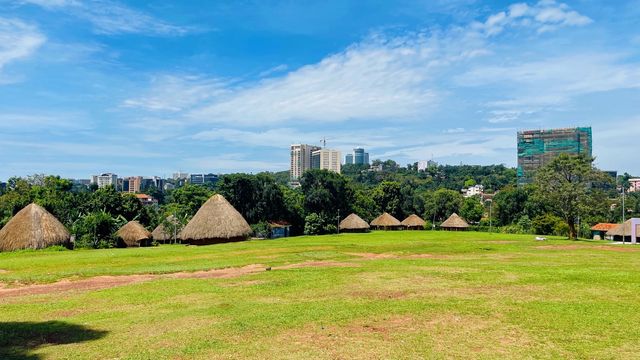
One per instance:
[(164, 234), (386, 222), (133, 234), (454, 223), (33, 228), (413, 222), (622, 230), (217, 221), (353, 223)]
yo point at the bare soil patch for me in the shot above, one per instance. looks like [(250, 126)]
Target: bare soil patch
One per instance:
[(105, 282), (615, 248), (315, 264), (374, 256)]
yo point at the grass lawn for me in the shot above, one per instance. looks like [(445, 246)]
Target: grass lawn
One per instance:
[(382, 295)]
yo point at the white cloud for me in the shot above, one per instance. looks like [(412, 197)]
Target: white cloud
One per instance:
[(175, 93), (543, 17), (283, 137), (18, 40), (525, 88), (233, 163), (111, 17)]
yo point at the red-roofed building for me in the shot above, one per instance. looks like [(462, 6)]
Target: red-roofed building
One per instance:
[(147, 199), (599, 231)]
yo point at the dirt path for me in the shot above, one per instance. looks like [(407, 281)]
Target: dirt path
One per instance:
[(105, 282)]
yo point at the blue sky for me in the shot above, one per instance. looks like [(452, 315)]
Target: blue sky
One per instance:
[(141, 88)]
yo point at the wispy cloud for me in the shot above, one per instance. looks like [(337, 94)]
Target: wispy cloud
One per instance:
[(233, 163), (546, 15), (18, 40), (110, 17), (524, 88), (400, 77), (177, 93)]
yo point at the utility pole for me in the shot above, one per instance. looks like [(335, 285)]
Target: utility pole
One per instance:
[(490, 216), (623, 215)]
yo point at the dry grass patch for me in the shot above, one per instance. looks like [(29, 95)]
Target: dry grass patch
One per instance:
[(433, 335)]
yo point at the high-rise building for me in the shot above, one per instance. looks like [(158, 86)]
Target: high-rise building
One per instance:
[(180, 175), (135, 184), (300, 160), (358, 156), (326, 159), (537, 148), (348, 159), (201, 179), (103, 180)]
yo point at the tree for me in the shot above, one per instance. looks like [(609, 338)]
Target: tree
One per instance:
[(441, 203), (472, 209), (509, 204), (190, 198), (565, 184), (388, 198), (326, 194)]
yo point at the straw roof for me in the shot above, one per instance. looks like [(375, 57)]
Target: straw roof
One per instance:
[(160, 234), (32, 227), (353, 222), (132, 233), (623, 229), (216, 221), (385, 220), (454, 221), (413, 221)]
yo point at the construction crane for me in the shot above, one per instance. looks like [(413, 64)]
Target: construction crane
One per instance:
[(323, 141)]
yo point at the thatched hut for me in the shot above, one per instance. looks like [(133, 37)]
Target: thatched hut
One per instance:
[(353, 223), (216, 221), (454, 223), (386, 222), (33, 228), (133, 234), (162, 234), (413, 222), (621, 230)]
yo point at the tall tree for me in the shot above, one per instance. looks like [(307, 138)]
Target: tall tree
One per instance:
[(566, 185)]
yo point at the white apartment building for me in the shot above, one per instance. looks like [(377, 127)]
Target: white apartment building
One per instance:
[(300, 160), (326, 159), (473, 191), (105, 180)]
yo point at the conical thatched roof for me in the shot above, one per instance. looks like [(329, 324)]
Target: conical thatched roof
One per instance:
[(385, 220), (353, 222), (132, 233), (454, 221), (159, 233), (414, 221), (216, 221), (623, 229), (32, 228)]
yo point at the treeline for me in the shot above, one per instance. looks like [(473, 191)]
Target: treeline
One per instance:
[(549, 206)]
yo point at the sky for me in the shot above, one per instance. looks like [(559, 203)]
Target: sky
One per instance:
[(152, 88)]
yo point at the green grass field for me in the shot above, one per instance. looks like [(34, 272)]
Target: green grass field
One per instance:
[(382, 295)]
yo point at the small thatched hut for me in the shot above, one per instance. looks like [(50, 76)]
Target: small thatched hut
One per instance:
[(216, 221), (386, 222), (622, 230), (33, 228), (454, 223), (353, 223), (413, 222), (133, 234), (162, 235)]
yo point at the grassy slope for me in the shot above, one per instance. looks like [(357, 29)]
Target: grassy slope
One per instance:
[(477, 296)]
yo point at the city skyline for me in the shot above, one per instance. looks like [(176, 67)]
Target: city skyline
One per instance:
[(129, 88)]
